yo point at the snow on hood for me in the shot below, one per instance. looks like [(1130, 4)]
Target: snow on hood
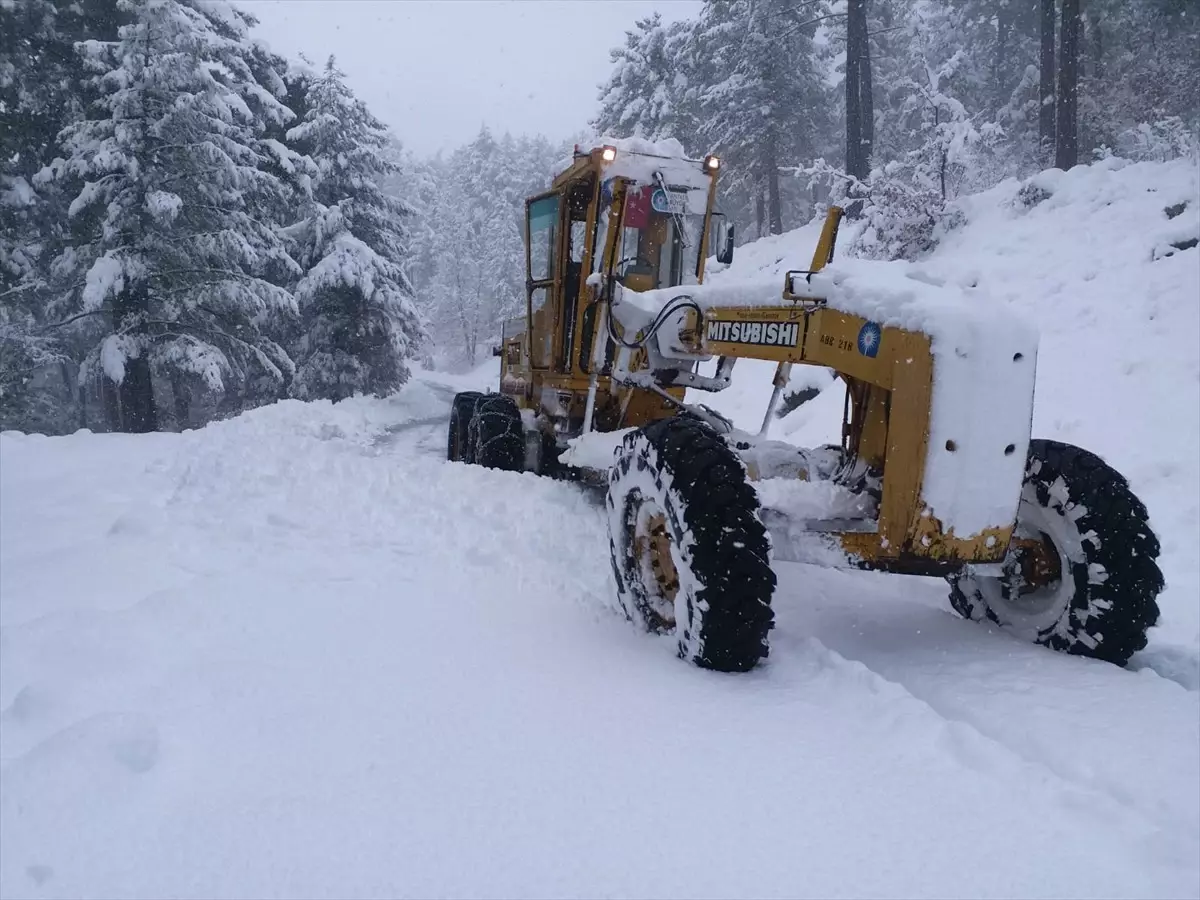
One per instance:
[(984, 359)]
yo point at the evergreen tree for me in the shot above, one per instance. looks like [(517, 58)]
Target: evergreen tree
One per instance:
[(170, 244), (26, 34), (470, 253), (41, 91), (647, 93), (1139, 79), (478, 281), (358, 319), (772, 102)]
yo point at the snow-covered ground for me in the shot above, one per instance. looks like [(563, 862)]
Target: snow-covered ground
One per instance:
[(298, 654)]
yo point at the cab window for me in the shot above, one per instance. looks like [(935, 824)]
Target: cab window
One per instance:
[(543, 238)]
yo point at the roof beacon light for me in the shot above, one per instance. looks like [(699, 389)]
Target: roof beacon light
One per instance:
[(712, 163), (608, 154)]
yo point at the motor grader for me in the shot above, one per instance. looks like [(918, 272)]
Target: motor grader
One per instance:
[(936, 473)]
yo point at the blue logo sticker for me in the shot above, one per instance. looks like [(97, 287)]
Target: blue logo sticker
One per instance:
[(674, 202), (868, 339)]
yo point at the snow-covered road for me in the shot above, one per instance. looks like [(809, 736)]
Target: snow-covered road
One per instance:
[(299, 654)]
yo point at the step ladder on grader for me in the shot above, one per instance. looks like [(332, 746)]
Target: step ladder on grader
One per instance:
[(936, 473)]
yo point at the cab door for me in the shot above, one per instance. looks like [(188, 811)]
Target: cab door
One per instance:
[(543, 239)]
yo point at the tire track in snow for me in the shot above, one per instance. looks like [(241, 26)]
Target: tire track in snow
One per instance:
[(987, 755), (970, 684), (1155, 815)]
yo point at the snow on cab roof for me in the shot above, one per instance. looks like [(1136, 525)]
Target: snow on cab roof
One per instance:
[(638, 159)]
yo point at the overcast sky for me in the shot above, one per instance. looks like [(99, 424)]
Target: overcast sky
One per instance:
[(436, 71)]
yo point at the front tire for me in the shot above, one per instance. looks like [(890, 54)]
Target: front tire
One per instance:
[(1082, 576), (689, 552)]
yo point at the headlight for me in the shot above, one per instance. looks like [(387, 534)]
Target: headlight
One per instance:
[(712, 163), (608, 154)]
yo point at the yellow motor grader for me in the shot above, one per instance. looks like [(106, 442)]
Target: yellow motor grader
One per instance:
[(936, 473)]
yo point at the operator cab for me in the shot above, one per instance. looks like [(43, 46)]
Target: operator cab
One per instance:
[(631, 212)]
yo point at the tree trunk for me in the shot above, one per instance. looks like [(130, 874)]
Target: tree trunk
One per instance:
[(867, 93), (1000, 58), (1095, 42), (774, 202), (111, 401), (138, 413), (180, 397), (70, 391), (1046, 89), (760, 209), (1066, 145), (81, 403), (136, 390), (855, 37)]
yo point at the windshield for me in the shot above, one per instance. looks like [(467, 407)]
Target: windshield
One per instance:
[(660, 243)]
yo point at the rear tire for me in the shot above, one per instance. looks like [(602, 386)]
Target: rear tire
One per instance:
[(1101, 547), (496, 435), (462, 408), (689, 552)]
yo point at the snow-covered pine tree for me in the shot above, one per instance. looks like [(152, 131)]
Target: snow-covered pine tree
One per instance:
[(171, 244), (477, 280), (41, 91), (910, 196), (359, 322), (25, 31), (771, 106), (471, 254), (647, 93), (419, 182), (416, 183), (1140, 80)]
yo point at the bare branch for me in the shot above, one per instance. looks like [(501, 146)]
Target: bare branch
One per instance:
[(74, 318)]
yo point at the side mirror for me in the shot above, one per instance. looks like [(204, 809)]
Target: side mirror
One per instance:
[(724, 241), (496, 350)]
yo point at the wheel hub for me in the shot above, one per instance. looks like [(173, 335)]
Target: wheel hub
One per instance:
[(1038, 563), (652, 546)]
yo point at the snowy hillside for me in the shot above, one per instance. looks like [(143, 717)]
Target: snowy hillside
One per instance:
[(297, 654)]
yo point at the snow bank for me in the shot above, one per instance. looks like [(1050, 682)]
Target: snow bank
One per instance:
[(484, 377), (596, 450)]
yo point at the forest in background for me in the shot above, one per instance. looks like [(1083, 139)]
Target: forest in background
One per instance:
[(192, 225)]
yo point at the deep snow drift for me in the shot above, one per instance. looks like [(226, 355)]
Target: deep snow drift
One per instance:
[(299, 654)]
